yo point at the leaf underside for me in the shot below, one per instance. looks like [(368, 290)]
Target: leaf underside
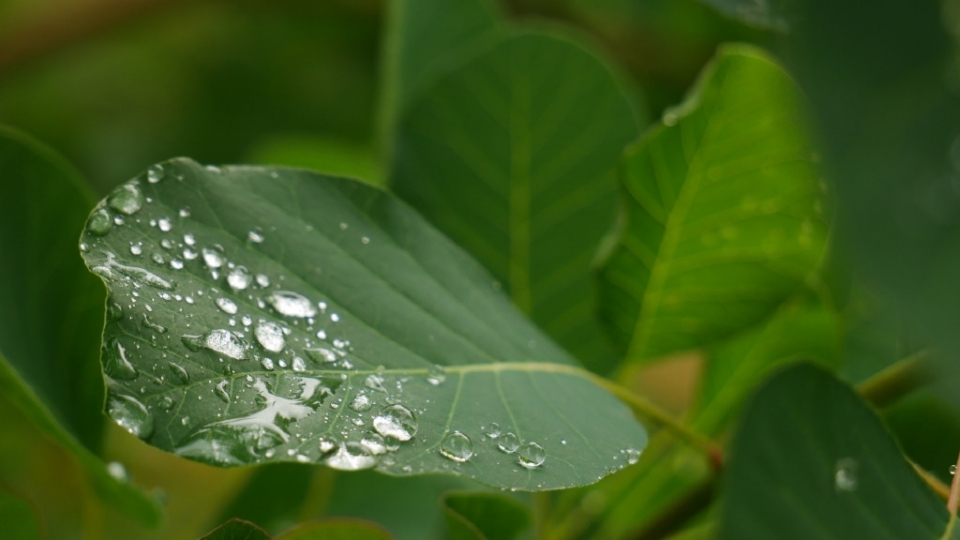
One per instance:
[(261, 315)]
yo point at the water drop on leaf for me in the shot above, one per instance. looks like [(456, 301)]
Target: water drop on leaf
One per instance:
[(127, 199), (457, 447), (270, 336), (396, 421), (361, 403), (227, 306), (130, 414), (531, 455), (493, 430), (436, 375), (100, 222), (239, 278), (291, 304), (351, 456), (115, 363), (509, 443)]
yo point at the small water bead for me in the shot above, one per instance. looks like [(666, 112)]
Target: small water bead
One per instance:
[(212, 257), (117, 471), (255, 236), (166, 244), (365, 240), (267, 364), (327, 445), (167, 403), (531, 455), (953, 470), (155, 174), (633, 455), (457, 447), (84, 247), (270, 336), (263, 280), (508, 443), (282, 363), (239, 278), (334, 317), (321, 334), (164, 224), (219, 341), (321, 355), (374, 443), (180, 372), (189, 240), (184, 212), (436, 375), (127, 199), (176, 264), (189, 254), (136, 249), (291, 304), (351, 456), (100, 222), (396, 421), (343, 226), (114, 311), (147, 323), (845, 474), (130, 414), (375, 382), (227, 306), (298, 364), (361, 403), (115, 362), (221, 391), (493, 430)]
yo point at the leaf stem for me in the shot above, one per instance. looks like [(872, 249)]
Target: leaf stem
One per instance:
[(954, 491), (651, 412), (896, 381), (935, 484)]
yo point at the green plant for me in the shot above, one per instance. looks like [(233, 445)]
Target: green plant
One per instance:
[(450, 329)]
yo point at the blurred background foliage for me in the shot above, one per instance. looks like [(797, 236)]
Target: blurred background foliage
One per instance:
[(115, 85)]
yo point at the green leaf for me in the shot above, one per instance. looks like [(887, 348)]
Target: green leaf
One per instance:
[(50, 311), (777, 15), (513, 155), (237, 529), (19, 521), (329, 156), (424, 39), (484, 516), (263, 315), (811, 460), (723, 213), (273, 496)]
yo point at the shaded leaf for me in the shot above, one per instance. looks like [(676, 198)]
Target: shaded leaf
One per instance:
[(329, 156), (50, 311), (263, 315), (777, 15), (237, 529), (484, 516), (811, 460), (16, 515), (724, 220), (513, 154), (272, 497), (337, 529)]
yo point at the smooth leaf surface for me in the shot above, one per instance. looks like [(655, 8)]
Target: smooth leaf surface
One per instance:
[(723, 213), (272, 497), (50, 311), (260, 315), (513, 155), (19, 522), (811, 460), (237, 529), (777, 15), (484, 516)]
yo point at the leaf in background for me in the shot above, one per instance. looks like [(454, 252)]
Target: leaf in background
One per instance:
[(237, 529), (337, 529), (262, 315), (928, 429), (811, 460), (484, 516), (50, 311), (424, 39), (513, 155), (329, 156), (17, 518), (272, 497), (723, 213), (778, 15)]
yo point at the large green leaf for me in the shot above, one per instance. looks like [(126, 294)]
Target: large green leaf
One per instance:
[(19, 522), (50, 310), (811, 460), (513, 155), (723, 215), (260, 315), (484, 516)]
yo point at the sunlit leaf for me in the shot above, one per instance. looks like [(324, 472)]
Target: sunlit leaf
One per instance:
[(261, 315)]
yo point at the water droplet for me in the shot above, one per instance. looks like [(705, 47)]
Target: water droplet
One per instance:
[(321, 355), (221, 390), (239, 278), (213, 168), (219, 341), (953, 470), (84, 247), (270, 336), (167, 403), (136, 249), (334, 317), (184, 212), (436, 375), (212, 257), (291, 304), (189, 239), (365, 240), (227, 305), (633, 455), (189, 254), (298, 364), (351, 456), (267, 364), (155, 174), (845, 474), (126, 199), (115, 363), (509, 443), (157, 258), (396, 421), (531, 455), (147, 323), (263, 280), (117, 471), (100, 222), (180, 372), (164, 224), (130, 414), (375, 382), (118, 220), (343, 226), (328, 444), (361, 402), (133, 272), (457, 447), (255, 236), (493, 430), (374, 443), (114, 311), (176, 264)]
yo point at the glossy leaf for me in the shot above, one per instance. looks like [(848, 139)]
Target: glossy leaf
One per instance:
[(50, 311), (513, 154), (484, 516), (811, 460), (262, 315), (723, 213)]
